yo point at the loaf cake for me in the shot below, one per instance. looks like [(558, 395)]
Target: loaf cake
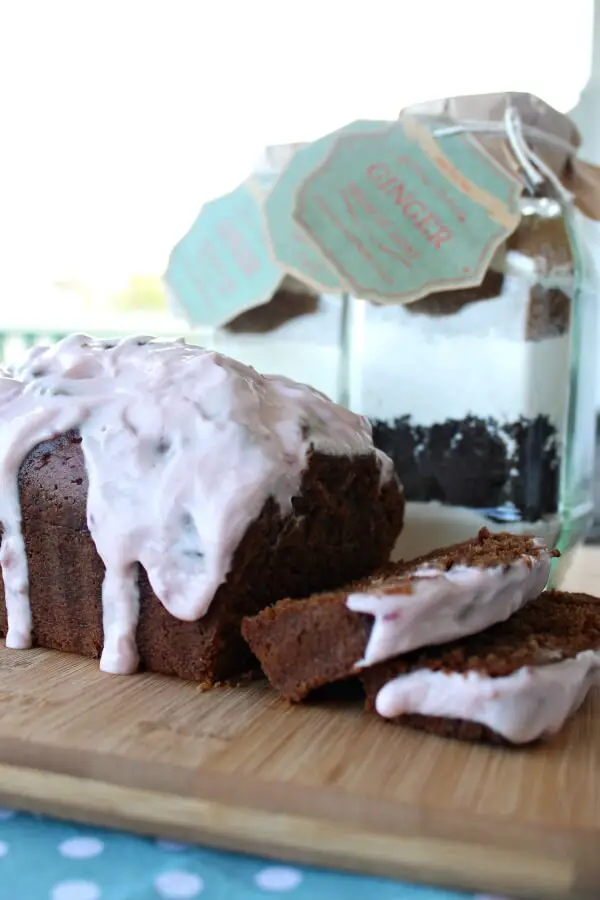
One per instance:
[(154, 494), (515, 683), (305, 644)]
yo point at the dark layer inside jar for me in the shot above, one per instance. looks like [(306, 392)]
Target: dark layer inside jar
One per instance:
[(477, 463)]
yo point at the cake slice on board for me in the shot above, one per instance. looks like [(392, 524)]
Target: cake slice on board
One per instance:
[(455, 591), (515, 683)]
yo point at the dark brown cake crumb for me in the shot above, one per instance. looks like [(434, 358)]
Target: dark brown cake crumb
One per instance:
[(304, 644), (343, 526)]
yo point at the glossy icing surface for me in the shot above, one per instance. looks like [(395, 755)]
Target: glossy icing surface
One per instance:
[(533, 702), (182, 448), (431, 606)]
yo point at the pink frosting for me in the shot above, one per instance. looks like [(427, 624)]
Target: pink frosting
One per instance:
[(432, 606), (182, 448), (534, 702)]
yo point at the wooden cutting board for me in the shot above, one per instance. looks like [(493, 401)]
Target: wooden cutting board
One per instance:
[(322, 783)]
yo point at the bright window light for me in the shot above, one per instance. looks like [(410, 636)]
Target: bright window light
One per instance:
[(120, 118)]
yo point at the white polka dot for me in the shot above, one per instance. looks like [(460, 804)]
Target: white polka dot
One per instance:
[(3, 848), (81, 847), (171, 846), (176, 885), (278, 878), (6, 814), (75, 890)]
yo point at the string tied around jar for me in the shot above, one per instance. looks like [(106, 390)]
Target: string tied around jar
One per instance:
[(534, 169)]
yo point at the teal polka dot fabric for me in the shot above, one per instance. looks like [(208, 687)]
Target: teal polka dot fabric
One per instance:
[(44, 859)]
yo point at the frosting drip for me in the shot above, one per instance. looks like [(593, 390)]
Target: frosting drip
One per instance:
[(431, 606), (182, 448), (534, 702)]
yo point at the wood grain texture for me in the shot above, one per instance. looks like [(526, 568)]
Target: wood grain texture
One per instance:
[(320, 783)]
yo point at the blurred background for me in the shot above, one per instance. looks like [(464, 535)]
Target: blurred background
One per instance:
[(119, 119)]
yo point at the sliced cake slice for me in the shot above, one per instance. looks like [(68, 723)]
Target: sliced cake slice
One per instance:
[(458, 590), (515, 683)]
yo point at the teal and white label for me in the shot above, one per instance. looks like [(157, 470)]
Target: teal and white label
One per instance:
[(292, 248), (398, 214), (223, 265), (382, 210)]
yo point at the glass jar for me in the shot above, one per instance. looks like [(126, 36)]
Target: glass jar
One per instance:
[(484, 397), (297, 334)]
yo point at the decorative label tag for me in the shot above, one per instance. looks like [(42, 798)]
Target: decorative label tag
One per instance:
[(378, 209), (297, 253), (399, 214), (223, 265)]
